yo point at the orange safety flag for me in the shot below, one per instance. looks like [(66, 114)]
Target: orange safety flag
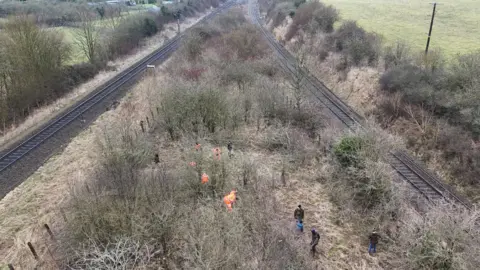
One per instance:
[(216, 153), (197, 146), (204, 178)]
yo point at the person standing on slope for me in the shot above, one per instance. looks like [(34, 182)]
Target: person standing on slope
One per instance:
[(314, 243), (230, 149), (374, 237), (298, 213)]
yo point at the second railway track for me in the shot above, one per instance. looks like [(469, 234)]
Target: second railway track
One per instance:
[(39, 137), (407, 168)]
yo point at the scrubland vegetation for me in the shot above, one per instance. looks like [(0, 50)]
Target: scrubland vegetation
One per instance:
[(429, 100), (36, 67), (222, 86), (139, 214)]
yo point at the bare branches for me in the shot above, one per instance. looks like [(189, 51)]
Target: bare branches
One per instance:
[(86, 35)]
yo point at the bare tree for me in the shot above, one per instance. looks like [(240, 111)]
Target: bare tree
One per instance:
[(87, 36), (298, 81), (113, 14)]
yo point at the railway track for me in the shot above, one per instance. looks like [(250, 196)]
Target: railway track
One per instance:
[(427, 183), (24, 148)]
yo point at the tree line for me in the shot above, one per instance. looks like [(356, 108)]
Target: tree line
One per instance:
[(33, 59)]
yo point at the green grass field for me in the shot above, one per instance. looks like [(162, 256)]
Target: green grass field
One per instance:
[(456, 29), (77, 55)]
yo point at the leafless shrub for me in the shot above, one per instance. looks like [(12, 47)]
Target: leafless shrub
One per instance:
[(397, 54), (236, 72), (312, 17), (246, 42), (190, 110), (280, 12), (358, 46), (122, 154), (389, 109), (125, 252), (446, 237), (363, 188)]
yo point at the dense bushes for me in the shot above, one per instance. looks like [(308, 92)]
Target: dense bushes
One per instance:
[(312, 17), (32, 68), (130, 33), (417, 84), (138, 214), (280, 12), (32, 60), (192, 111), (246, 43), (448, 91), (347, 151), (357, 45), (361, 171)]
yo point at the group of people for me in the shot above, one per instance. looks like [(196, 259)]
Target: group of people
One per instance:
[(230, 198), (299, 214), (217, 151)]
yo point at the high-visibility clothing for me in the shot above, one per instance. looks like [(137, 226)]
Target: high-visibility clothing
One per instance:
[(204, 178), (229, 199), (232, 196)]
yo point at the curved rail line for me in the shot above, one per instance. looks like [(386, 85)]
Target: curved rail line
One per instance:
[(102, 92), (409, 169)]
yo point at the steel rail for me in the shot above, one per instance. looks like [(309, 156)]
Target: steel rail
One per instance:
[(410, 170), (98, 95)]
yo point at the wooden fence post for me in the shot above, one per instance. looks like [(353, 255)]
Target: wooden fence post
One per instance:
[(32, 250), (49, 231)]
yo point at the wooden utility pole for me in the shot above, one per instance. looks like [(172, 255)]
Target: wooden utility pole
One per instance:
[(431, 26)]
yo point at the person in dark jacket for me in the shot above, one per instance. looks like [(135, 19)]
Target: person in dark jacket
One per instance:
[(374, 237), (298, 213), (314, 243), (230, 149)]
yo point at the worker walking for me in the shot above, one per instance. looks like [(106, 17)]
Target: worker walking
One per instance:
[(204, 178), (230, 149), (230, 199), (374, 237), (298, 213), (314, 243)]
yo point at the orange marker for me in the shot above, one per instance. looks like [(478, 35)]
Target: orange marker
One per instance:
[(204, 178)]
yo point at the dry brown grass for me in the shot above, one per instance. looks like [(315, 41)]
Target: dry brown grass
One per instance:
[(428, 247), (263, 147), (359, 87)]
